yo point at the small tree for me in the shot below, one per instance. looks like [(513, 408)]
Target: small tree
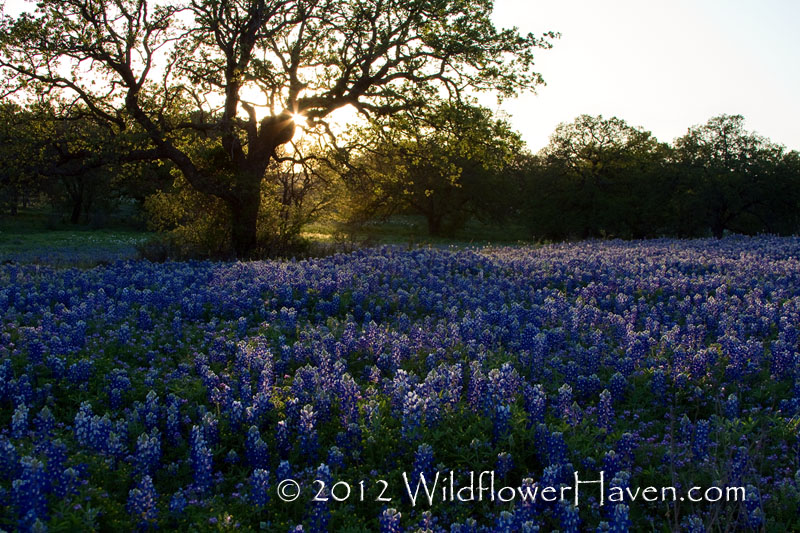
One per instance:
[(446, 164)]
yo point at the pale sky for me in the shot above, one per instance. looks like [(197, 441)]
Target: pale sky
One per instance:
[(662, 65)]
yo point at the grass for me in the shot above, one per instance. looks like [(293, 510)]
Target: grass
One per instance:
[(35, 236), (412, 230)]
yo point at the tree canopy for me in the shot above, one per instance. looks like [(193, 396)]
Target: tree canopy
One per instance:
[(444, 164), (736, 179), (597, 177), (148, 65)]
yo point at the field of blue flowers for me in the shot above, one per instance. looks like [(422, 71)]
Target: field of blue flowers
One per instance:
[(181, 395)]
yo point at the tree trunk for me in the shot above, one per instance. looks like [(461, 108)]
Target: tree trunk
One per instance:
[(77, 204), (434, 225), (244, 219)]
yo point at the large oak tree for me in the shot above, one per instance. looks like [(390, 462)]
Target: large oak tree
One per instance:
[(133, 63)]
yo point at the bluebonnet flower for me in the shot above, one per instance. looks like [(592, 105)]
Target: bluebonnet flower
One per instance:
[(701, 439), (535, 404), (686, 428), (124, 334), (151, 412), (282, 438), (9, 458), (605, 412), (66, 483), (236, 415), (349, 395), (564, 402), (755, 514), (738, 467), (144, 321), (148, 452), (529, 526), (469, 526), (80, 372), (620, 523), (259, 487), (658, 386), (570, 521), (201, 458), (427, 522), (45, 422), (143, 502), (413, 406), (732, 407), (118, 384), (611, 464), (178, 502), (173, 423), (505, 463), (335, 458), (308, 433), (19, 421), (588, 386), (256, 449), (284, 470), (210, 429), (501, 422), (617, 386), (557, 448), (693, 524), (504, 522), (390, 521), (320, 512), (423, 463), (625, 447), (177, 326), (30, 492)]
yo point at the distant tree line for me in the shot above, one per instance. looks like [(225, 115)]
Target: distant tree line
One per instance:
[(448, 163), (601, 177), (597, 178)]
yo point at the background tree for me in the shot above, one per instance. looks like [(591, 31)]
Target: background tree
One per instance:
[(134, 61), (18, 152), (79, 165), (296, 191), (733, 179), (447, 164), (598, 177)]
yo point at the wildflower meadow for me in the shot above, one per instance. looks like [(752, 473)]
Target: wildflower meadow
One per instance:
[(317, 395)]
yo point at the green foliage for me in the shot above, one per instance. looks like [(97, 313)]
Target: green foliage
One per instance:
[(447, 165), (196, 224), (604, 178), (305, 57), (597, 177), (199, 225), (736, 180), (79, 166)]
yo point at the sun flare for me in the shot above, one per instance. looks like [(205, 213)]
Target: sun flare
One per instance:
[(299, 120)]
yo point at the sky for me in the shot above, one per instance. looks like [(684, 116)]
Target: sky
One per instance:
[(661, 65)]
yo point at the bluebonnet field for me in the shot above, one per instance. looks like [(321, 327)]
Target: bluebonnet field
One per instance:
[(139, 395)]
